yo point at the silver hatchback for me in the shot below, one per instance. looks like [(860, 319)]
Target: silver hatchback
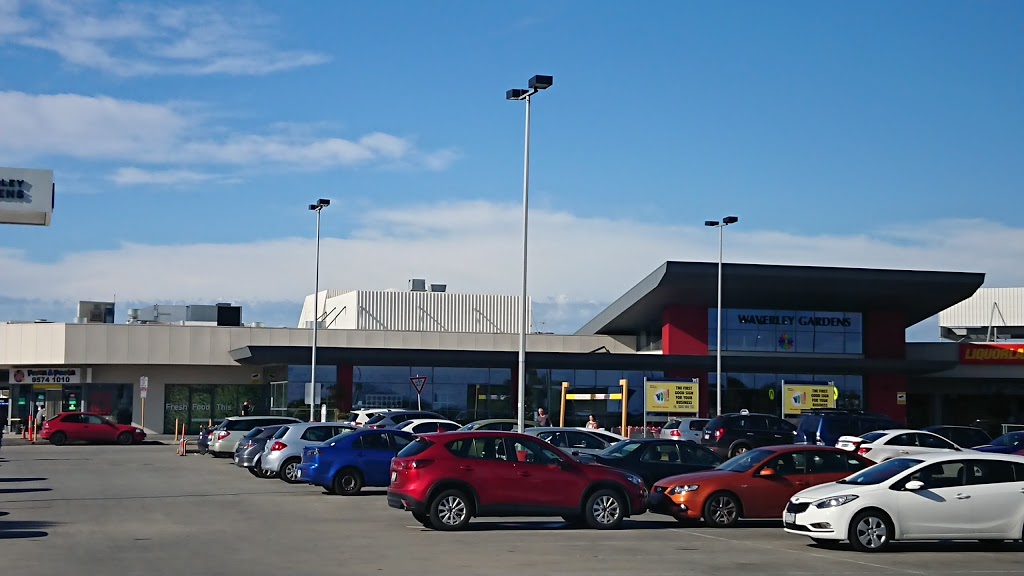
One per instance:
[(684, 429)]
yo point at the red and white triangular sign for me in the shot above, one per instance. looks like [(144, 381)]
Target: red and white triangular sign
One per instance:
[(418, 382)]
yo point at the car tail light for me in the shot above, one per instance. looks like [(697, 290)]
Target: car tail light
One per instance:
[(675, 433), (278, 446), (249, 444), (719, 433), (414, 464), (223, 434), (863, 450)]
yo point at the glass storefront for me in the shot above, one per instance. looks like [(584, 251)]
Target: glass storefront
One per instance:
[(763, 392), (787, 331), (198, 404), (466, 394)]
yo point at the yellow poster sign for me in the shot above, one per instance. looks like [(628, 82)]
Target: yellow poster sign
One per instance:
[(797, 397), (673, 397)]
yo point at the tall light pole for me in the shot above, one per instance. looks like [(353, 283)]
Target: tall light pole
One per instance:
[(536, 84), (718, 342), (320, 205)]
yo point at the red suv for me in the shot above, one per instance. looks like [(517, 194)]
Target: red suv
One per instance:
[(444, 479), (86, 427)]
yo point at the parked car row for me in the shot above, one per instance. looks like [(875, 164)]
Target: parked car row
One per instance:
[(445, 477)]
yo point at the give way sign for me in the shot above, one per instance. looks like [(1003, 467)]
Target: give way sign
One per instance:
[(418, 382)]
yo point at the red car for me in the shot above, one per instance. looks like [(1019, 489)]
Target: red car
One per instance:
[(755, 484), (445, 479), (86, 427)]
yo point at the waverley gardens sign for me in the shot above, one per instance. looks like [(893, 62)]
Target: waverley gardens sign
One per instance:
[(26, 196), (778, 320)]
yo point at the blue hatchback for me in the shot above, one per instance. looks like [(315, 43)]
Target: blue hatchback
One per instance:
[(1005, 444), (348, 462)]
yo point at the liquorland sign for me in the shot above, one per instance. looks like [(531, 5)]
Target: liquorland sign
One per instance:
[(26, 196), (992, 353)]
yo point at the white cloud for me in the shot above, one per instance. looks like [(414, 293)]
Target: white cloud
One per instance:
[(474, 247), (132, 176), (104, 128), (147, 39)]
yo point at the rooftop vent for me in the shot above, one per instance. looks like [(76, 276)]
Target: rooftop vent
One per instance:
[(438, 287), (417, 285)]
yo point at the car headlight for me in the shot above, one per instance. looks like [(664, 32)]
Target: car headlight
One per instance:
[(834, 501), (140, 430), (683, 489), (635, 479)]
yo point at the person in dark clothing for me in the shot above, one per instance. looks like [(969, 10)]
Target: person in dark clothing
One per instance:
[(543, 420), (246, 408)]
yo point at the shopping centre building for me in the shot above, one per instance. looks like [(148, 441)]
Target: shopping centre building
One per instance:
[(844, 327)]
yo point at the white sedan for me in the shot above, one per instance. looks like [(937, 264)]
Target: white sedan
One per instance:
[(885, 444), (952, 496), (427, 425)]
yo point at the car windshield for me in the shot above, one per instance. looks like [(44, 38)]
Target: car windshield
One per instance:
[(619, 450), (872, 436), (376, 419), (1009, 440), (881, 472), (745, 462)]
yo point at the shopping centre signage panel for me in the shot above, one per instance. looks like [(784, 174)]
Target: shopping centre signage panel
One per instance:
[(26, 196), (992, 353), (45, 376)]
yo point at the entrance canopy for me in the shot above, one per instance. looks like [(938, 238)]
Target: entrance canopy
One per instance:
[(916, 294)]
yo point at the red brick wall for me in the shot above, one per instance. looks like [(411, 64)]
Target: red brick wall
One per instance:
[(343, 389)]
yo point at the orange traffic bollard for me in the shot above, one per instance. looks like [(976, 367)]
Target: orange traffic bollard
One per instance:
[(175, 429)]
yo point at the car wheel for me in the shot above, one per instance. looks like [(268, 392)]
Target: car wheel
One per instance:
[(254, 472), (422, 518), (289, 471), (870, 531), (605, 509), (721, 510), (450, 510), (264, 473), (58, 438), (738, 449), (347, 482), (202, 450), (125, 438)]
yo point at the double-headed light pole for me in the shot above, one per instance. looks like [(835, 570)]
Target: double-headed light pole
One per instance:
[(718, 342), (536, 84), (318, 207)]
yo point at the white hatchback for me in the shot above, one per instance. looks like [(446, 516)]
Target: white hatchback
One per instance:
[(952, 496), (885, 444), (283, 453)]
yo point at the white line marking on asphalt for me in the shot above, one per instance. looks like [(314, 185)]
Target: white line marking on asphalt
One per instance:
[(799, 552)]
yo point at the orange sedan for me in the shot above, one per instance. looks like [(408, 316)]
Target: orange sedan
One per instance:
[(755, 484)]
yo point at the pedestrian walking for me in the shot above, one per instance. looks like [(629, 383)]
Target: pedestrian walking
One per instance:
[(40, 417), (592, 423), (542, 418), (246, 408)]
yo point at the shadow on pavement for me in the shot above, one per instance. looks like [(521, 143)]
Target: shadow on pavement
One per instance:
[(541, 525), (2, 480), (954, 547), (23, 490), (380, 493), (14, 529)]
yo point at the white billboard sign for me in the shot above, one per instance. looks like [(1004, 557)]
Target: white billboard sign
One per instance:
[(26, 196), (45, 376)]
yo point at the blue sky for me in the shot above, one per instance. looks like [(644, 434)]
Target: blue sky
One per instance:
[(187, 139)]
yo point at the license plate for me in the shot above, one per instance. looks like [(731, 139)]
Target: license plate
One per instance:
[(790, 518), (394, 476)]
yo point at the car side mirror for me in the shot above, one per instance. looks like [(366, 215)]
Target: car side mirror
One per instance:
[(914, 485), (767, 473), (575, 452)]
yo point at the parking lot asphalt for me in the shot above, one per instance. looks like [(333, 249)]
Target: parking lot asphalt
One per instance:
[(143, 510)]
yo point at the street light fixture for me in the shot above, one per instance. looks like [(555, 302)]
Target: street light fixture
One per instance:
[(536, 84), (320, 205), (718, 345)]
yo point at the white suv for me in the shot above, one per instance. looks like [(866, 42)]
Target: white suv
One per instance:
[(283, 452), (359, 417)]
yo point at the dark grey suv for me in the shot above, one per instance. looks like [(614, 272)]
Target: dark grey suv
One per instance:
[(732, 434)]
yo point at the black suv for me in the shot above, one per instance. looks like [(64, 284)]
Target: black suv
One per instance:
[(732, 434), (823, 427), (962, 436)]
